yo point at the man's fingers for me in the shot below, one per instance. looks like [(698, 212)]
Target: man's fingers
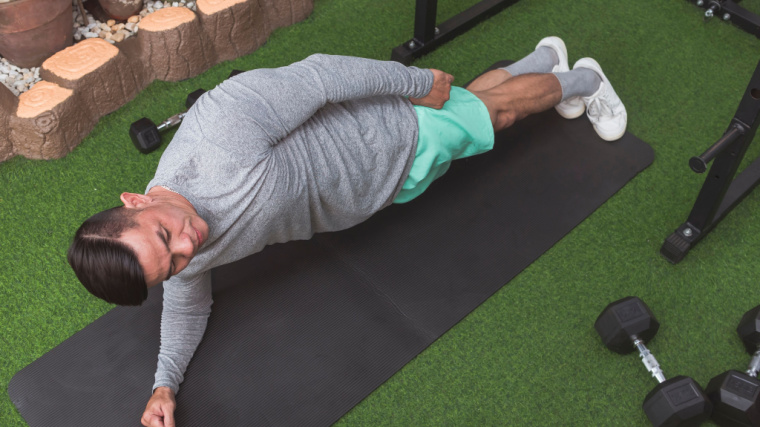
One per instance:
[(168, 417), (447, 78), (155, 421), (439, 93), (147, 419)]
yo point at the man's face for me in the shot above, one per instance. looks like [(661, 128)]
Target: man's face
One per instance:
[(168, 235)]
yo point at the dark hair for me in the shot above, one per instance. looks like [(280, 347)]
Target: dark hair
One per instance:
[(108, 268)]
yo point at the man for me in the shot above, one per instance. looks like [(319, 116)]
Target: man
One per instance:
[(274, 155)]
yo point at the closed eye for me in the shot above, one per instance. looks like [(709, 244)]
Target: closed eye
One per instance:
[(165, 237)]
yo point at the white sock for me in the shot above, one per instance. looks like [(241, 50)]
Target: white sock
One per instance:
[(542, 60), (578, 82)]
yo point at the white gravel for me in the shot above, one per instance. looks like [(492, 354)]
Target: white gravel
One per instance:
[(20, 80)]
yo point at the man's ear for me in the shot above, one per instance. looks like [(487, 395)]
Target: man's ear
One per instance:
[(134, 201)]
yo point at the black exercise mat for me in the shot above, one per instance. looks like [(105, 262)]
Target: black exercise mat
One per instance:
[(303, 331)]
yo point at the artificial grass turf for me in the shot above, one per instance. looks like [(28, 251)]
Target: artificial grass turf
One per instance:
[(528, 355)]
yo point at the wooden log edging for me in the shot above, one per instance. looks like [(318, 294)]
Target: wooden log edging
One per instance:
[(92, 78), (8, 103)]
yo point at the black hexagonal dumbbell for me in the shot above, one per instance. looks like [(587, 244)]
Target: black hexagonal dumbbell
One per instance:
[(736, 395), (627, 325), (147, 136)]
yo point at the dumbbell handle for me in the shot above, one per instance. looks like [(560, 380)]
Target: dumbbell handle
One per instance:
[(171, 122), (647, 358), (754, 364)]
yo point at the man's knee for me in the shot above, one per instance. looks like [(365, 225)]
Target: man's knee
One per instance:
[(504, 119), (499, 107)]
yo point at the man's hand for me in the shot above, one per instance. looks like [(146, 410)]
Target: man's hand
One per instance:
[(160, 409), (439, 94)]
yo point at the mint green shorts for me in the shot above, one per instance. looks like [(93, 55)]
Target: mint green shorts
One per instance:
[(462, 128)]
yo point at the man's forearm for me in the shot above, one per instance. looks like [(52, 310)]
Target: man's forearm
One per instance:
[(180, 337), (344, 78), (183, 323), (274, 102)]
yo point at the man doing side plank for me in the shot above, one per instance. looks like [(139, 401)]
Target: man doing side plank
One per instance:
[(273, 155)]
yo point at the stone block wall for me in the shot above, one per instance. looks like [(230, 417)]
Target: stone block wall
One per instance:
[(92, 78)]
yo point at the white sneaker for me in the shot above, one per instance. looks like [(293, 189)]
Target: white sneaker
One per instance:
[(604, 108), (571, 107)]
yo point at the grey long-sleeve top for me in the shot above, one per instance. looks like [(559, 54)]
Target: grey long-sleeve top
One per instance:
[(273, 155)]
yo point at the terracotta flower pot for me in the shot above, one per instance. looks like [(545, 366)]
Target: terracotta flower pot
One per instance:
[(120, 10), (33, 30)]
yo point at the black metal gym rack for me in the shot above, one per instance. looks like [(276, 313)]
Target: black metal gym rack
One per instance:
[(729, 10), (721, 192), (428, 36)]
